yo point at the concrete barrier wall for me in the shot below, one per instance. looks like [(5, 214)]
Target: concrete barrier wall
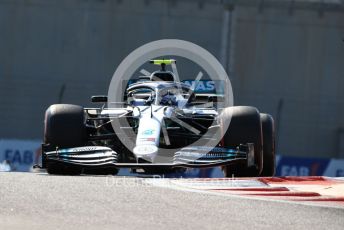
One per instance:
[(293, 62), (79, 43), (279, 58)]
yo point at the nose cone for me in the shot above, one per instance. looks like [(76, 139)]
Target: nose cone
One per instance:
[(146, 152)]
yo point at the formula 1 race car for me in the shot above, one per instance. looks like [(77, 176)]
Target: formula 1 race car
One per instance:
[(159, 127)]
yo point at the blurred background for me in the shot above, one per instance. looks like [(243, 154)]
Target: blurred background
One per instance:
[(286, 57)]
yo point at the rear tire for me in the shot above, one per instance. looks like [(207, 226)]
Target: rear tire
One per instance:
[(244, 127), (64, 128), (268, 145)]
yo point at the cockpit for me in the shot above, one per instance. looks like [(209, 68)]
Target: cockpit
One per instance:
[(168, 94)]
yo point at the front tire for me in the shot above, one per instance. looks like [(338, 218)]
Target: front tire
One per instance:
[(64, 128), (244, 127), (55, 168)]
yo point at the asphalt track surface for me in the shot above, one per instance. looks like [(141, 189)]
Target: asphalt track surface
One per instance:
[(41, 201)]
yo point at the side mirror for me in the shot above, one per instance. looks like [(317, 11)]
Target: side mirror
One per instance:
[(99, 99)]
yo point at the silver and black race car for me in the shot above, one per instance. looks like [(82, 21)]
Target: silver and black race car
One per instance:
[(160, 126)]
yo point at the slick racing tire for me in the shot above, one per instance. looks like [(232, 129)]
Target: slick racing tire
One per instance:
[(101, 171), (64, 128), (61, 169), (268, 145), (244, 127)]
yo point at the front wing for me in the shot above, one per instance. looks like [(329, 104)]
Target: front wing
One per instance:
[(190, 157)]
